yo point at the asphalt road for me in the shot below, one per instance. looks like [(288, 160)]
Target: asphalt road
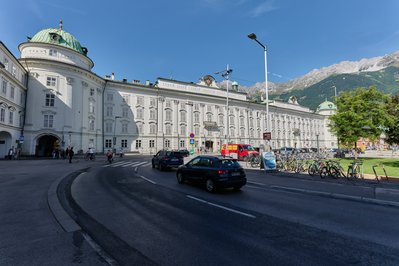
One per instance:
[(29, 233), (150, 219)]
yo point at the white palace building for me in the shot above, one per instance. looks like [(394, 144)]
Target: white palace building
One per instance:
[(50, 99)]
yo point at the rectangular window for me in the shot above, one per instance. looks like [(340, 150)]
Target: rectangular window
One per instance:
[(183, 130), (140, 113), (196, 107), (4, 87), (168, 116), (140, 128), (221, 120), (183, 116), (152, 143), (168, 104), (12, 92), (196, 117), (140, 100), (109, 111), (167, 143), (125, 112), (153, 128), (108, 143), (51, 81), (108, 127), (48, 121), (138, 143), (110, 97), (2, 115), (11, 118), (168, 129), (153, 102), (49, 99), (153, 114), (182, 144), (124, 127), (124, 143)]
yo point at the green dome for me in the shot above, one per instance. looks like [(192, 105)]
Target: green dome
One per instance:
[(59, 37), (326, 106)]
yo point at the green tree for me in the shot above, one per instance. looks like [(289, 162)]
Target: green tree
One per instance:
[(393, 128), (361, 113)]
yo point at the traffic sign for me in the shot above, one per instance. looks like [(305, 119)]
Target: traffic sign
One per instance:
[(192, 135), (191, 141)]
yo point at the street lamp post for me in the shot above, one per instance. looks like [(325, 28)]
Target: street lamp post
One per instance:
[(252, 36), (226, 74), (114, 138)]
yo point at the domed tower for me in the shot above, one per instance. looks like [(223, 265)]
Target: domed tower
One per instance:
[(327, 109), (64, 97)]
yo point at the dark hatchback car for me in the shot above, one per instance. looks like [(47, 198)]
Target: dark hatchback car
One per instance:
[(213, 171), (167, 159)]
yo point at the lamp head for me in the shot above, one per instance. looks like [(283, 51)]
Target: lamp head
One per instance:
[(252, 36)]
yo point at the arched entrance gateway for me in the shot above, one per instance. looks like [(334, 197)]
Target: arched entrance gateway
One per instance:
[(5, 143), (46, 144)]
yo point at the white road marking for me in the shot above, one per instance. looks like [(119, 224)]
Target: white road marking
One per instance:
[(120, 164), (140, 163), (132, 164), (256, 183), (220, 206), (146, 179)]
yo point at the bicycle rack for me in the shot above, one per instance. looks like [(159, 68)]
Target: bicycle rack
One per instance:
[(375, 172)]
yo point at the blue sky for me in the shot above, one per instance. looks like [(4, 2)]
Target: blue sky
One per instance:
[(187, 39)]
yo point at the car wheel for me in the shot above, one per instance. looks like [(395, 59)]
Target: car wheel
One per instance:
[(180, 178), (210, 185), (160, 167), (237, 188)]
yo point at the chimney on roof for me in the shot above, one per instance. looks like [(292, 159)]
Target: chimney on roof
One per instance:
[(113, 76), (136, 81), (124, 80)]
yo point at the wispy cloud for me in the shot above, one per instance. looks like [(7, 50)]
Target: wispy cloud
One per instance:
[(264, 7)]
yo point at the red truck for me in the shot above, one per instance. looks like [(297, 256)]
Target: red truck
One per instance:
[(241, 150)]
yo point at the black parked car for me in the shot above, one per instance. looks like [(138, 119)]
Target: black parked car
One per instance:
[(213, 171), (185, 153), (167, 159)]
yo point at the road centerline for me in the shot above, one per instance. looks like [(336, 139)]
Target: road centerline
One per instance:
[(221, 207)]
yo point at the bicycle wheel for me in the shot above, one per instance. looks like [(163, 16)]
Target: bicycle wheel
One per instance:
[(333, 172), (350, 174), (324, 172), (312, 170)]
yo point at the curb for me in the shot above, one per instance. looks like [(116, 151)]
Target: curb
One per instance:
[(338, 196), (67, 223)]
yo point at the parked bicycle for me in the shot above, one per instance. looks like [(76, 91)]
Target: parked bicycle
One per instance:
[(253, 160), (355, 170)]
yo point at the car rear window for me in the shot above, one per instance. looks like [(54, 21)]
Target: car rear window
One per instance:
[(228, 163), (174, 154)]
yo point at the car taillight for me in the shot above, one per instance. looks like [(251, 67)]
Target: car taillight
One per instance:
[(222, 172), (165, 158)]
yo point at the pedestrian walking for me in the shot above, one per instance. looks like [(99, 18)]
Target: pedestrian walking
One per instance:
[(11, 153), (70, 154)]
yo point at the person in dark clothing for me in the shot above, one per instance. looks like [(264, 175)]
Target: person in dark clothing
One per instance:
[(70, 154)]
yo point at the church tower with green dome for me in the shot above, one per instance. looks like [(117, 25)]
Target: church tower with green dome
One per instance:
[(56, 44), (64, 103)]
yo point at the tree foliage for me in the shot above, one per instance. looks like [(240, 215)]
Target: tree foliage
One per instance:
[(360, 113), (392, 135)]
